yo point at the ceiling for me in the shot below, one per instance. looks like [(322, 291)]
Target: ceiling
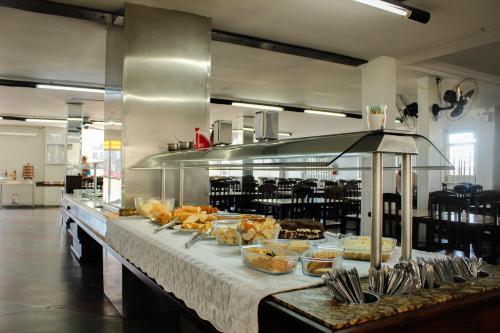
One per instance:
[(54, 48), (484, 58)]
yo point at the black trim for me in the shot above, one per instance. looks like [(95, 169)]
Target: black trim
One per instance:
[(301, 51)]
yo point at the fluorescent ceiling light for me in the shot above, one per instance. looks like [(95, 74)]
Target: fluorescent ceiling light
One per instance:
[(1, 118), (17, 134), (70, 88), (75, 119), (36, 120), (398, 121), (285, 133), (326, 113), (248, 129), (387, 6), (258, 106)]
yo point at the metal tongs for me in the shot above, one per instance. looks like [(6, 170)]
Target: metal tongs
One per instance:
[(198, 236), (166, 226)]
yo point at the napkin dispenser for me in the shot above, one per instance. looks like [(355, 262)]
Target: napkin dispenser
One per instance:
[(266, 125), (223, 132)]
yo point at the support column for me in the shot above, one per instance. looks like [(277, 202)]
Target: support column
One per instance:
[(377, 211), (378, 86), (496, 152), (407, 207), (426, 181)]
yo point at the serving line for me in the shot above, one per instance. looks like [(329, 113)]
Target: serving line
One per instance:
[(210, 279)]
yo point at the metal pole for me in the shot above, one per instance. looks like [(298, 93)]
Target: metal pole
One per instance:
[(377, 211), (163, 184), (406, 209), (181, 186)]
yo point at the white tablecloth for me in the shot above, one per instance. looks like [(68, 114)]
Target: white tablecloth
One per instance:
[(210, 279)]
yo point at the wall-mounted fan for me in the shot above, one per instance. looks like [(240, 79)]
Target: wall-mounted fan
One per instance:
[(408, 112), (457, 101)]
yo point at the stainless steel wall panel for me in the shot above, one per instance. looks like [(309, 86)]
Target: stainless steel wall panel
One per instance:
[(166, 68)]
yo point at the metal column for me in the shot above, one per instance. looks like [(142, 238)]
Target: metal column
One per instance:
[(181, 186), (377, 211), (407, 206), (163, 184)]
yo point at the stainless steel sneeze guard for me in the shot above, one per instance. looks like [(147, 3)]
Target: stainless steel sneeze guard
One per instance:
[(319, 152)]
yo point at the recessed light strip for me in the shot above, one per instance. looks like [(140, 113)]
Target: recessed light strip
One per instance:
[(70, 88), (44, 120), (258, 106), (326, 113), (389, 7)]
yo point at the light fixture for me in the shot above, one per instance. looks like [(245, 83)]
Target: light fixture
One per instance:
[(285, 134), (399, 8), (326, 113), (17, 134), (258, 106), (44, 120), (248, 129), (398, 121), (74, 119), (1, 118), (70, 88)]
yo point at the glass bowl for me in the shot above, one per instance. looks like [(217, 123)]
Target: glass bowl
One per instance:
[(271, 261), (152, 208), (317, 261), (293, 245), (252, 232), (226, 232)]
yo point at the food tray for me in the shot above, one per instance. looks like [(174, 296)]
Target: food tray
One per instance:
[(359, 248), (277, 263)]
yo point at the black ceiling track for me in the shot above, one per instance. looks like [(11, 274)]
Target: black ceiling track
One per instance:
[(53, 8), (265, 44)]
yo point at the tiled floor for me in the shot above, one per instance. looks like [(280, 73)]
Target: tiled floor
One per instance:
[(43, 288)]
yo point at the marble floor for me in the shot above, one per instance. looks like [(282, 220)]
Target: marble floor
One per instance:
[(43, 288)]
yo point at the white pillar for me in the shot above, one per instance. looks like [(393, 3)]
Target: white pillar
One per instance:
[(427, 181), (378, 86)]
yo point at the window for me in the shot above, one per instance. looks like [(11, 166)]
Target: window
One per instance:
[(461, 152)]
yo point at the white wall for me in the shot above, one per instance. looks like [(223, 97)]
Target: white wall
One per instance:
[(15, 151)]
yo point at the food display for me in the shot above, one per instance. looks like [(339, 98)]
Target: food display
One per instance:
[(292, 245), (301, 229), (128, 212), (226, 232), (154, 208), (252, 231), (268, 259), (316, 262), (359, 248)]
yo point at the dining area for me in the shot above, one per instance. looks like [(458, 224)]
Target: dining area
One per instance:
[(463, 219)]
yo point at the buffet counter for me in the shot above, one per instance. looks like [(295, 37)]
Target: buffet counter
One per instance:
[(228, 296)]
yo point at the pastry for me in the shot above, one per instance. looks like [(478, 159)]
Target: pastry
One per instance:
[(301, 229)]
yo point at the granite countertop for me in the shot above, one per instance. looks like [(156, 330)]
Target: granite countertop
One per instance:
[(317, 304)]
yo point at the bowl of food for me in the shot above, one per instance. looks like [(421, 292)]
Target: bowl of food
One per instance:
[(359, 247), (293, 245), (269, 260), (226, 232), (317, 261), (154, 207), (254, 232)]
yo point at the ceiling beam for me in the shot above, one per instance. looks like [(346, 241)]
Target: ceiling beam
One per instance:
[(53, 8), (265, 44)]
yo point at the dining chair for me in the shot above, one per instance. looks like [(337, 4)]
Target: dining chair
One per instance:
[(219, 194), (446, 224), (302, 199), (268, 191), (332, 214), (391, 215), (249, 190)]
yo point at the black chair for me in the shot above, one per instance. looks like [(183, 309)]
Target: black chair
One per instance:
[(302, 199), (392, 215), (475, 192), (486, 203), (446, 224), (249, 192), (219, 194), (285, 188), (269, 181), (352, 206), (268, 191), (330, 183), (333, 209)]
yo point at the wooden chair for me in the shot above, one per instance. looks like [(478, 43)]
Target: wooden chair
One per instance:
[(392, 215), (249, 191), (219, 194), (475, 192), (486, 236), (446, 224), (333, 208), (268, 191), (302, 199), (285, 188)]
